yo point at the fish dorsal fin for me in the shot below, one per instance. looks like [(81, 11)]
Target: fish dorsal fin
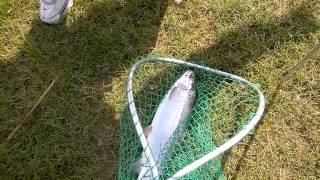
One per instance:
[(147, 130), (173, 92)]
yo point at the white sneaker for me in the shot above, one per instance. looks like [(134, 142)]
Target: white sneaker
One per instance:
[(53, 11)]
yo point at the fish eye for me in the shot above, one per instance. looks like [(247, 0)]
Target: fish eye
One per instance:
[(191, 76)]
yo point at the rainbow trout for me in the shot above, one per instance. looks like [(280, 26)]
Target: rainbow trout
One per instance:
[(175, 106)]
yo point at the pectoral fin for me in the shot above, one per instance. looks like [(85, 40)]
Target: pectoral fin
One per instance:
[(147, 130), (173, 92)]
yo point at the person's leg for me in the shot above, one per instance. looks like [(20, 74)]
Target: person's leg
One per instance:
[(53, 11)]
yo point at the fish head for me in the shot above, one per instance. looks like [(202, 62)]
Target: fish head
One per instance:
[(187, 81)]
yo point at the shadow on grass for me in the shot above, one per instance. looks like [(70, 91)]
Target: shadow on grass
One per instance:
[(235, 49), (273, 98), (74, 132), (231, 53)]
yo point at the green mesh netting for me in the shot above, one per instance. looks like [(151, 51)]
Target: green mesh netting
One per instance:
[(223, 106)]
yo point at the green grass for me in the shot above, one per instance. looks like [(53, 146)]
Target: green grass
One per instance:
[(74, 132)]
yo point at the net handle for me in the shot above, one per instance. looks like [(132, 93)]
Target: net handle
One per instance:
[(216, 152)]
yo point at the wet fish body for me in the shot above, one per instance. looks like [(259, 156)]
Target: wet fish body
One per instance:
[(176, 105)]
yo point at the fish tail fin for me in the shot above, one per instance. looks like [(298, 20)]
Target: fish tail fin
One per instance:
[(145, 174), (137, 166), (142, 168)]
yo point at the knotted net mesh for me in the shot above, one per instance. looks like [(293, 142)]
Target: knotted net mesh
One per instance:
[(223, 106)]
